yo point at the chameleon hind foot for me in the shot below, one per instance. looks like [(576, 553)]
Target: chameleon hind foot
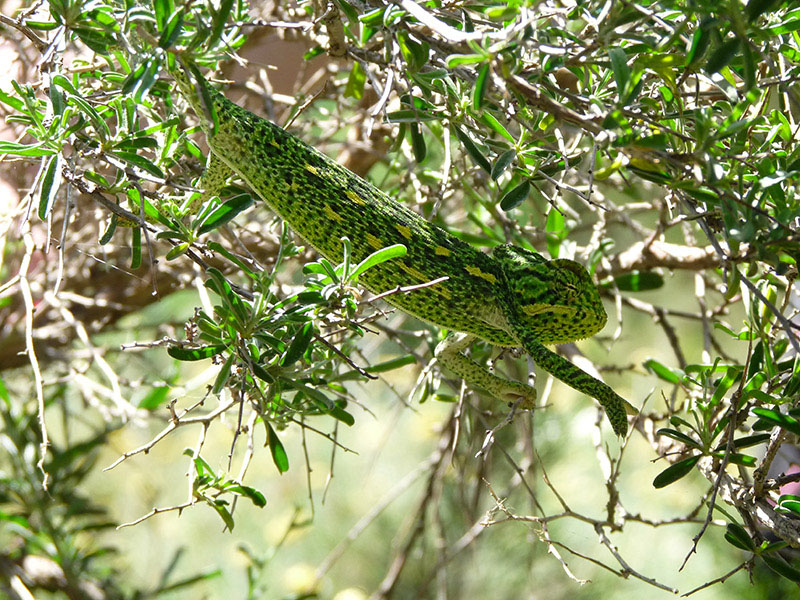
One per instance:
[(449, 353)]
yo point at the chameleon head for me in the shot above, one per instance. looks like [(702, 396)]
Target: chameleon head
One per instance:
[(555, 300)]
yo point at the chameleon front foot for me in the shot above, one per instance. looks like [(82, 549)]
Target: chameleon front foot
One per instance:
[(449, 353)]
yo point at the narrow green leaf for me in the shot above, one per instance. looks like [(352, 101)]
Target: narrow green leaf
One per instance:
[(778, 564), (700, 41), (789, 503), (50, 185), (279, 456), (774, 417), (414, 53), (662, 371), (680, 436), (244, 267), (226, 213), (135, 143), (109, 232), (732, 374), (619, 66), (223, 512), (674, 472), (193, 354), (25, 149), (773, 546), (262, 373), (249, 492), (378, 257), (638, 281), (219, 284), (340, 414), (172, 29), (57, 100), (343, 269), (140, 162), (502, 163), (459, 60), (14, 102), (220, 19), (140, 81), (136, 248), (202, 468), (491, 121), (749, 67), (479, 89), (178, 250), (473, 150), (390, 365), (96, 39), (516, 196), (744, 460), (409, 116), (738, 536), (224, 374), (299, 344), (356, 82), (747, 441), (99, 123), (162, 9), (417, 142)]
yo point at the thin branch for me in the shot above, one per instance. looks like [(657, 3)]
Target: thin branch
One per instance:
[(25, 290)]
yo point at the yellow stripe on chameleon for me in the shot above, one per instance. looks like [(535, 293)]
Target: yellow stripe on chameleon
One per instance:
[(373, 241), (355, 197), (476, 271), (537, 309), (418, 275), (311, 169), (332, 214), (441, 251), (404, 230)]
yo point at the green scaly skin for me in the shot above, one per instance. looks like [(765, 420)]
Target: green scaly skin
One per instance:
[(512, 298)]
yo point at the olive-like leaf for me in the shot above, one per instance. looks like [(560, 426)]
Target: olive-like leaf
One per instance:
[(193, 354), (479, 89), (774, 417), (674, 472), (778, 564), (515, 196), (225, 213), (299, 344), (279, 456), (473, 150), (789, 503), (417, 142), (661, 371), (680, 436), (378, 257), (638, 281), (738, 536), (50, 185), (502, 163)]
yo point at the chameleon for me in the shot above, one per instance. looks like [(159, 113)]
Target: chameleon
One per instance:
[(511, 298)]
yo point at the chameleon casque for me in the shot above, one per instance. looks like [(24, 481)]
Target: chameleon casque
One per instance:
[(514, 297)]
